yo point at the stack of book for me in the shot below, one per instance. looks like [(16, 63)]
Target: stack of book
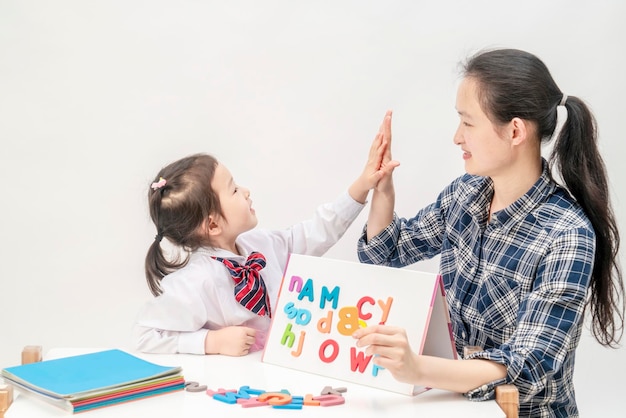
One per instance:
[(95, 380)]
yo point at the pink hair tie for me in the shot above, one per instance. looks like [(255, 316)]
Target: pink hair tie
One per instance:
[(158, 184)]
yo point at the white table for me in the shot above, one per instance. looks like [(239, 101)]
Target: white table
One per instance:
[(233, 372)]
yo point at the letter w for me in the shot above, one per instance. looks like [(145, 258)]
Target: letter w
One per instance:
[(358, 361)]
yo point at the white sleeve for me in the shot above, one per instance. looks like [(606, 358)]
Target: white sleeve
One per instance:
[(170, 324), (328, 225), (151, 340)]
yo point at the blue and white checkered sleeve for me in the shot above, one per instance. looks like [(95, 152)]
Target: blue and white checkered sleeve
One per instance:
[(550, 318), (378, 249)]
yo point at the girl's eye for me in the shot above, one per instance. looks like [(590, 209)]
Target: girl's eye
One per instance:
[(466, 124)]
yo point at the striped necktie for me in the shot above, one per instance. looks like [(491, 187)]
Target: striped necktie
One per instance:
[(250, 290)]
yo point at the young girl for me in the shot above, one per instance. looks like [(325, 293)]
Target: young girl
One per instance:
[(522, 257), (218, 299)]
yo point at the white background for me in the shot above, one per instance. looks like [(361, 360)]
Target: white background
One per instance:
[(96, 96)]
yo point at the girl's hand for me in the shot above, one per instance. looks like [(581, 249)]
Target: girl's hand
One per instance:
[(391, 349), (230, 341), (379, 166)]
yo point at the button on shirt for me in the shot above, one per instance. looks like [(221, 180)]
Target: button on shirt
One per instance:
[(199, 297), (515, 286)]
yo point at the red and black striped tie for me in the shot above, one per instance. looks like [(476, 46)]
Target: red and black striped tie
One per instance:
[(250, 290)]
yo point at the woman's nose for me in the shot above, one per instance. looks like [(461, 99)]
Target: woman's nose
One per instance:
[(457, 138)]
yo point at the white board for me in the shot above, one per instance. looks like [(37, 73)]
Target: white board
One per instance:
[(323, 301)]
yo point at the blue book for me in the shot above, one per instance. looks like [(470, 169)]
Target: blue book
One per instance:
[(93, 380)]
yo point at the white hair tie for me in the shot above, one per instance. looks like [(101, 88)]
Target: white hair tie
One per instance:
[(561, 118)]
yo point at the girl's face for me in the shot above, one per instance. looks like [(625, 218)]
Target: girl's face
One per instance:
[(235, 202), (486, 151)]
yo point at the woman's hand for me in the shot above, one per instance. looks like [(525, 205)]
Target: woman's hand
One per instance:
[(230, 341), (391, 350), (387, 164)]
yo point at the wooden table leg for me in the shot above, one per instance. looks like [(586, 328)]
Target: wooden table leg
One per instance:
[(507, 397)]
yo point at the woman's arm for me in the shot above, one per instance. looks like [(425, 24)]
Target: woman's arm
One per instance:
[(383, 198), (392, 351)]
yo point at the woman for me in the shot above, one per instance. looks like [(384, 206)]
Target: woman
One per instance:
[(522, 256)]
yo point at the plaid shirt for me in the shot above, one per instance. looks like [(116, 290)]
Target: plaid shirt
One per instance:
[(515, 286)]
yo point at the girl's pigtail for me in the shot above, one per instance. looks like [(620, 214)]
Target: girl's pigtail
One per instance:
[(155, 267)]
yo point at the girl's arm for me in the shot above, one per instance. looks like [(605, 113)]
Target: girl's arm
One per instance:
[(331, 220)]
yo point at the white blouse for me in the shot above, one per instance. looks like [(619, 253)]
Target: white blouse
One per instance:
[(199, 296)]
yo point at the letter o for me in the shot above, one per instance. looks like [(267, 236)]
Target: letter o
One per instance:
[(334, 354)]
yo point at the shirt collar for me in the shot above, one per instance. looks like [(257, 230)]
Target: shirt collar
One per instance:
[(219, 252), (518, 210), (536, 195)]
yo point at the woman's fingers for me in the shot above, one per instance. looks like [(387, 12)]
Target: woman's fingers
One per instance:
[(377, 329)]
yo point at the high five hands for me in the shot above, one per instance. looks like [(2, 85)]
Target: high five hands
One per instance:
[(379, 167), (386, 164)]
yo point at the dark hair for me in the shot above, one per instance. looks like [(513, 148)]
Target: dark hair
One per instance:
[(514, 83), (178, 210)]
